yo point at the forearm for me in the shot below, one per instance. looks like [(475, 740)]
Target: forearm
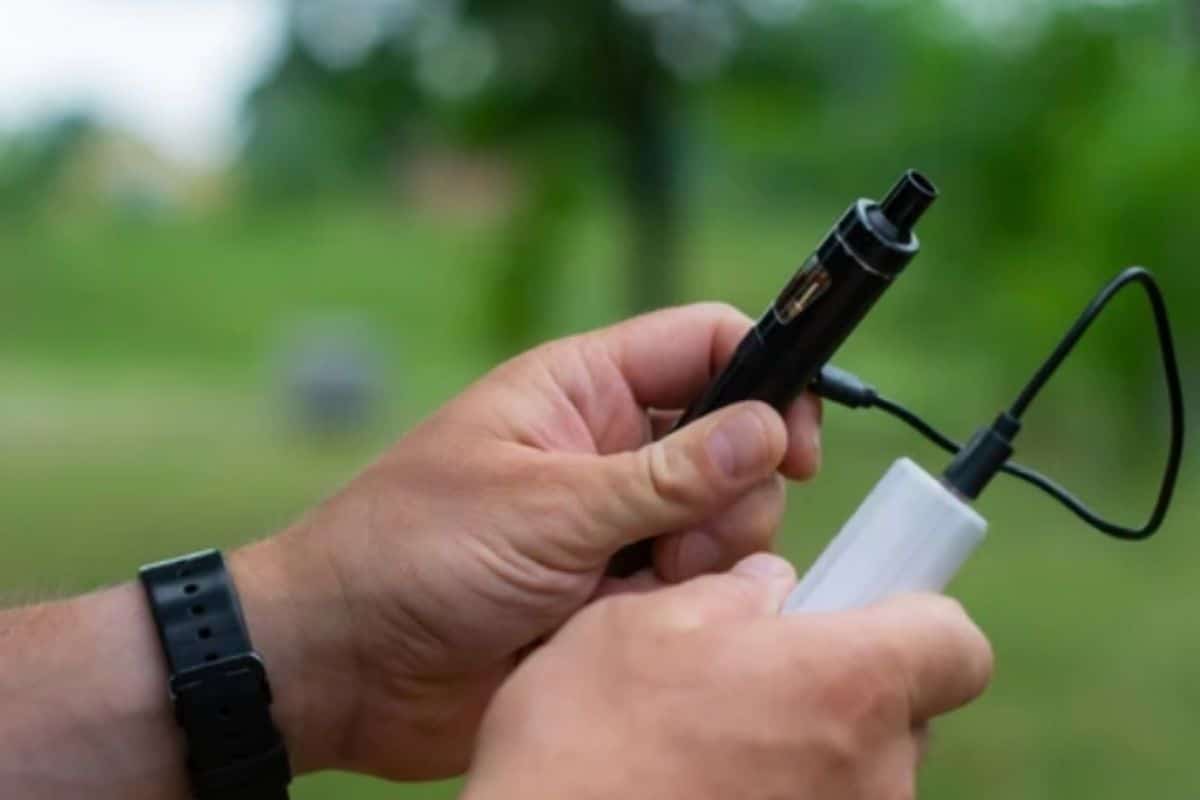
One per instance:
[(83, 702), (84, 706)]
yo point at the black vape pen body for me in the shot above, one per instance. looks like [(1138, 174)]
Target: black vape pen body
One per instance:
[(816, 311)]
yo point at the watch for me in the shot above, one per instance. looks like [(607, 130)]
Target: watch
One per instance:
[(218, 683)]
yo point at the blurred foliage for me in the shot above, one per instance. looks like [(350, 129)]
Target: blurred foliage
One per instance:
[(1067, 130), (32, 163)]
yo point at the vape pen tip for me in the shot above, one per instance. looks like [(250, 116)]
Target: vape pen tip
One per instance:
[(908, 199)]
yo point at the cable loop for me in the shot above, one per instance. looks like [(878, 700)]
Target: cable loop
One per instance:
[(1139, 275)]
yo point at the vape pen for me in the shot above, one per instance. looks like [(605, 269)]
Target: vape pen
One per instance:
[(823, 303), (829, 295)]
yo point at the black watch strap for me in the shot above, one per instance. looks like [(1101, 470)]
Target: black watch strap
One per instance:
[(218, 683)]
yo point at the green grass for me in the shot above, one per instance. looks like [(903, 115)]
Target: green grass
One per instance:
[(138, 419)]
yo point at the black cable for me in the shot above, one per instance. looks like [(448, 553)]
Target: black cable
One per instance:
[(1089, 315), (1030, 476), (916, 423), (993, 443)]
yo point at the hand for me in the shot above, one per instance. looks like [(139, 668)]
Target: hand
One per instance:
[(701, 691), (491, 523)]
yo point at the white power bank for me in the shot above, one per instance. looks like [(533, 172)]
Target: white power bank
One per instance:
[(911, 534)]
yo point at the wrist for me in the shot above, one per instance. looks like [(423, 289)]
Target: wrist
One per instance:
[(409, 700), (84, 684), (292, 602)]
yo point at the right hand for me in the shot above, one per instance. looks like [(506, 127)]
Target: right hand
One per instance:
[(703, 691)]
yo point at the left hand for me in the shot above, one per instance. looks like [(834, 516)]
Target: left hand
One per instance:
[(413, 593)]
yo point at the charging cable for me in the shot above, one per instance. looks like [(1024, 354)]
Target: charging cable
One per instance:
[(989, 450)]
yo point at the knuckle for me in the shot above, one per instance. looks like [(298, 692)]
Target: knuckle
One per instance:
[(667, 473), (617, 615), (566, 493), (741, 593), (866, 690), (635, 616), (949, 610), (618, 610), (940, 610), (632, 626)]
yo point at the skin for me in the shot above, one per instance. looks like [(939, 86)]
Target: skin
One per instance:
[(703, 691), (389, 616)]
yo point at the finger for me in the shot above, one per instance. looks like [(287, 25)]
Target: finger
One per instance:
[(922, 735), (803, 419), (640, 582), (755, 587), (748, 526), (668, 357), (945, 659), (681, 481), (896, 766)]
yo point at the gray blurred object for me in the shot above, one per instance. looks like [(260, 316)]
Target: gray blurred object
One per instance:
[(331, 374)]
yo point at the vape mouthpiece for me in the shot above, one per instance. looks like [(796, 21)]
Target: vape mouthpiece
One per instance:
[(907, 201)]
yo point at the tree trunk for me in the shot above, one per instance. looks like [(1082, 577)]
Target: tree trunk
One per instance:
[(640, 96), (650, 174), (529, 256)]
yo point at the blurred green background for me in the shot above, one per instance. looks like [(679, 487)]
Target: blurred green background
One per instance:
[(192, 352)]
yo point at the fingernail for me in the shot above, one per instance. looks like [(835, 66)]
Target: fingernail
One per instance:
[(698, 553), (738, 446), (765, 567)]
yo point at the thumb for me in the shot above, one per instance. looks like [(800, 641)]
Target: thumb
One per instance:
[(682, 480), (755, 587)]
